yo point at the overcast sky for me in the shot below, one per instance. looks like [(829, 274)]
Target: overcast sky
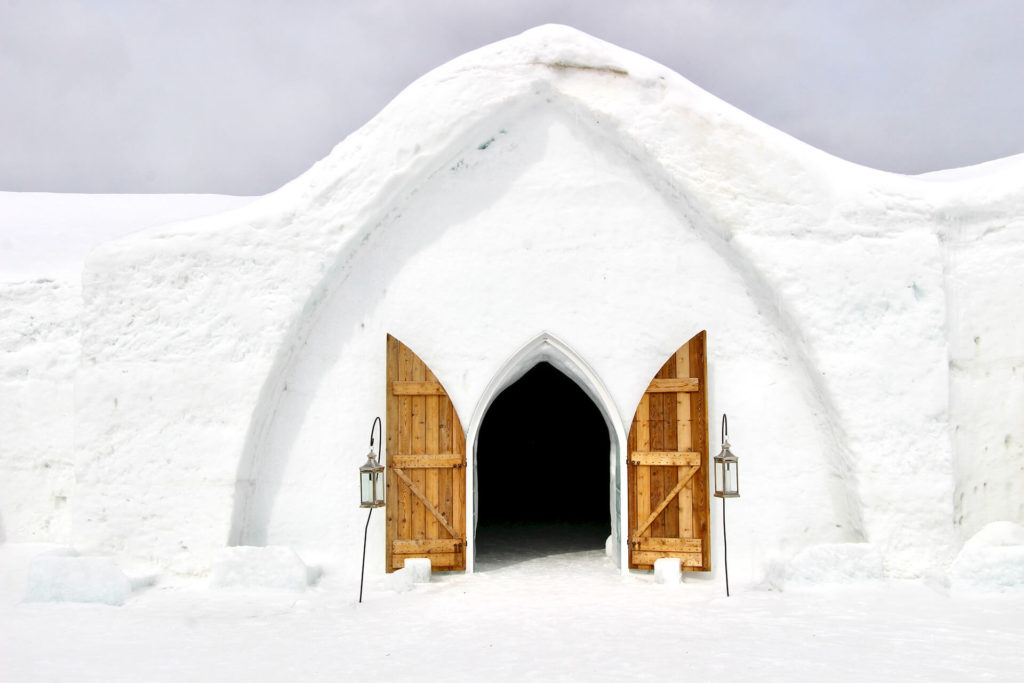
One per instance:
[(240, 96)]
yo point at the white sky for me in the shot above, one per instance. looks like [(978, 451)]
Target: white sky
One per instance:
[(238, 96)]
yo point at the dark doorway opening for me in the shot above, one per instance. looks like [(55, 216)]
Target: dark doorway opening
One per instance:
[(543, 471)]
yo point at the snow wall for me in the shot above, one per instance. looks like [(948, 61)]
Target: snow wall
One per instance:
[(44, 240), (38, 358), (552, 186)]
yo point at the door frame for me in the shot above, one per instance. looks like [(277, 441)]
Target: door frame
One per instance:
[(548, 348)]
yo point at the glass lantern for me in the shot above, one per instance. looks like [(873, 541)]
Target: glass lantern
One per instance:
[(727, 473), (371, 482)]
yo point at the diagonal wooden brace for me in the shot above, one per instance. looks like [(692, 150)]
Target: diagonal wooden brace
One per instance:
[(664, 503), (426, 503)]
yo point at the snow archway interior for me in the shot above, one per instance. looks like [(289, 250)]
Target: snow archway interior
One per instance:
[(542, 363)]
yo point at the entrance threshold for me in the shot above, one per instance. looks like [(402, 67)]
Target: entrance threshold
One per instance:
[(508, 544)]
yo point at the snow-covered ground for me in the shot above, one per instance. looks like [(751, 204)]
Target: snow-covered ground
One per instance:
[(571, 616)]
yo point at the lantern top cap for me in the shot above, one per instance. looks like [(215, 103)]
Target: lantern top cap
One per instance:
[(725, 454), (371, 462)]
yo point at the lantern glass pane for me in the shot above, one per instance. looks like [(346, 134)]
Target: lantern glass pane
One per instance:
[(731, 483), (366, 487)]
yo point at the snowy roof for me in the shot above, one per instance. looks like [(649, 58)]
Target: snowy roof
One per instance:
[(1009, 166), (705, 148)]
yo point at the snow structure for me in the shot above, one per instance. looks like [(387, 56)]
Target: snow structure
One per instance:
[(548, 197)]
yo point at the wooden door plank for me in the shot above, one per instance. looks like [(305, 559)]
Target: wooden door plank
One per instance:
[(643, 474), (681, 545), (683, 424), (684, 512), (437, 545), (459, 484), (643, 427), (432, 484), (405, 498), (656, 421), (645, 559), (419, 446), (643, 493), (698, 418), (432, 487), (405, 446), (410, 461), (671, 474), (631, 483), (417, 388), (671, 442), (444, 427), (670, 516), (459, 505), (444, 496), (445, 477), (392, 418), (665, 458), (458, 437), (683, 361), (683, 401), (661, 386)]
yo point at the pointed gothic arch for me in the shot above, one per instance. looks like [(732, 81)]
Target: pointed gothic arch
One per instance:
[(546, 348)]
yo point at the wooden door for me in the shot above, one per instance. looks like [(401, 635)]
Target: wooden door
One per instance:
[(668, 465), (426, 466)]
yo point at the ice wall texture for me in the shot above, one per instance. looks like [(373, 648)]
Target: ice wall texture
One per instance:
[(230, 366)]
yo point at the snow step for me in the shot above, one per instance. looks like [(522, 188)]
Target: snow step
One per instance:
[(419, 568), (668, 570)]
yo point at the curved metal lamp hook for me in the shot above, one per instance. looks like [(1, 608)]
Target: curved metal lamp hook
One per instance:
[(375, 426)]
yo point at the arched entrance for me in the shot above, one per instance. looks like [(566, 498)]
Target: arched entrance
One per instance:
[(548, 350), (542, 468), (535, 446)]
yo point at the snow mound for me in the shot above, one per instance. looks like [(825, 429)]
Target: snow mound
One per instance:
[(992, 561), (261, 567), (62, 576), (419, 567), (668, 570), (832, 563), (400, 580)]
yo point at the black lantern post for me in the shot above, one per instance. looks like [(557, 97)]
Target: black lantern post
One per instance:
[(727, 485), (371, 492)]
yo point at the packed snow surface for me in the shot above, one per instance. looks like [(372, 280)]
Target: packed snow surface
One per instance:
[(560, 617)]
